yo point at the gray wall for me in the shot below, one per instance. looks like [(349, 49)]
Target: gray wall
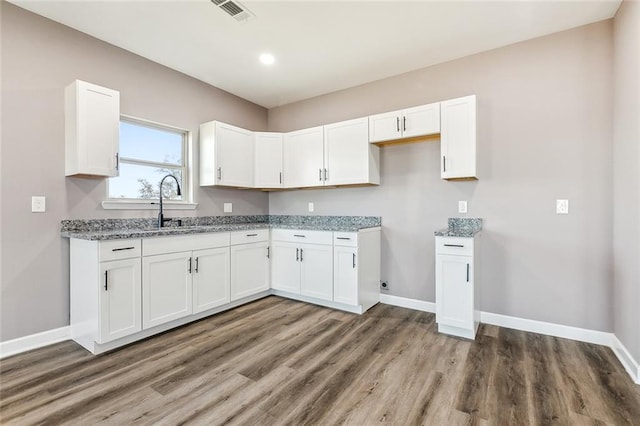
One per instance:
[(39, 58), (626, 175), (544, 118)]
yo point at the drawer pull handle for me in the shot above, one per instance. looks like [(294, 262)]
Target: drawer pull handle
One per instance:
[(252, 235), (453, 245), (343, 238), (122, 248), (299, 235)]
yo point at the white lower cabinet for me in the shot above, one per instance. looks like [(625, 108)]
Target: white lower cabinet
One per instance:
[(210, 278), (345, 275), (249, 263), (456, 290), (316, 278), (120, 295)]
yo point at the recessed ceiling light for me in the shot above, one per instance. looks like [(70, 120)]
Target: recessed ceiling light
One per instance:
[(267, 58)]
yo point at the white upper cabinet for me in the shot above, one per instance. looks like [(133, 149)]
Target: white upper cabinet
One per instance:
[(92, 130), (303, 153), (226, 155), (458, 138), (348, 156), (268, 160), (411, 122)]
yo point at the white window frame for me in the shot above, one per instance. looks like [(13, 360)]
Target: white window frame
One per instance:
[(187, 202)]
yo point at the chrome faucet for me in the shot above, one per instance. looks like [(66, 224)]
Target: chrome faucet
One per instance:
[(161, 219)]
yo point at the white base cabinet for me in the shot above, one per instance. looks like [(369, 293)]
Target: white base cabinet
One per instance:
[(457, 311)]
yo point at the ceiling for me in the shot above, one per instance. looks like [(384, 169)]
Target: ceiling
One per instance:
[(319, 46)]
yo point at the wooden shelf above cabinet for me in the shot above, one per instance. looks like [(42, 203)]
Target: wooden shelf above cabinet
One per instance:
[(404, 141)]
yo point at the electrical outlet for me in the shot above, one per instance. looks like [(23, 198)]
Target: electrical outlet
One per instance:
[(562, 206), (38, 204), (462, 206), (228, 207), (310, 207), (384, 285)]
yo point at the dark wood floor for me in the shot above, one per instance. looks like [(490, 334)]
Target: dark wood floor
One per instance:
[(278, 361)]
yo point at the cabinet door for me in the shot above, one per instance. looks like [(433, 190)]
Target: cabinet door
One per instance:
[(285, 266), (454, 291), (347, 153), (316, 271), (458, 138), (249, 269), (268, 160), (92, 121), (235, 153), (384, 127), (345, 275), (210, 278), (166, 288), (420, 121), (303, 158), (120, 299)]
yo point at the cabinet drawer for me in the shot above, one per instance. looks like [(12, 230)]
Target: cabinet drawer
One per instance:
[(347, 239), (300, 236), (174, 244), (251, 236), (454, 245), (119, 249)]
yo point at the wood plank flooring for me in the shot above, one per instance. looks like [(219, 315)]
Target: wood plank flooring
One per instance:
[(281, 362)]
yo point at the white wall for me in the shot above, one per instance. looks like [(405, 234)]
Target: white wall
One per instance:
[(544, 119), (39, 58)]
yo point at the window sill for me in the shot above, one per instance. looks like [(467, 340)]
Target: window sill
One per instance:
[(146, 205)]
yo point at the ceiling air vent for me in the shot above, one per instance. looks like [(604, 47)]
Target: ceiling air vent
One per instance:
[(234, 9)]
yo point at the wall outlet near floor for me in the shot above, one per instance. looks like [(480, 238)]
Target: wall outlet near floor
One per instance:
[(310, 207), (38, 204), (462, 206), (228, 207), (562, 206), (384, 285)]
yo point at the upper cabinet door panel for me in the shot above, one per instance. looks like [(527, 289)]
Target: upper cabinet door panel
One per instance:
[(235, 155), (303, 158), (268, 160), (421, 121), (92, 130), (385, 127), (458, 138), (348, 155)]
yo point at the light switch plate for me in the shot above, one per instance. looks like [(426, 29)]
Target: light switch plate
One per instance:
[(228, 207), (310, 207), (38, 204), (462, 206), (562, 206)]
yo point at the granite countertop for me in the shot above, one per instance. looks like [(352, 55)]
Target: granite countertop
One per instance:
[(114, 229), (461, 228)]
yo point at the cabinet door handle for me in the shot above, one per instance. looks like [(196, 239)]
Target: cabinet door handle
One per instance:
[(268, 254), (398, 124), (320, 175), (117, 161), (189, 268), (122, 248), (197, 258), (252, 235), (219, 173), (297, 255), (354, 260), (326, 174), (444, 163), (453, 245), (280, 178), (106, 280), (301, 255), (299, 235), (467, 272), (404, 123)]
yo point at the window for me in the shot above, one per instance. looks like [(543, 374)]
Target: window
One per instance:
[(148, 152)]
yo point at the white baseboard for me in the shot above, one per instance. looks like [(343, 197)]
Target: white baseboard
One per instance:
[(403, 302), (631, 365), (547, 328), (541, 327), (34, 341)]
